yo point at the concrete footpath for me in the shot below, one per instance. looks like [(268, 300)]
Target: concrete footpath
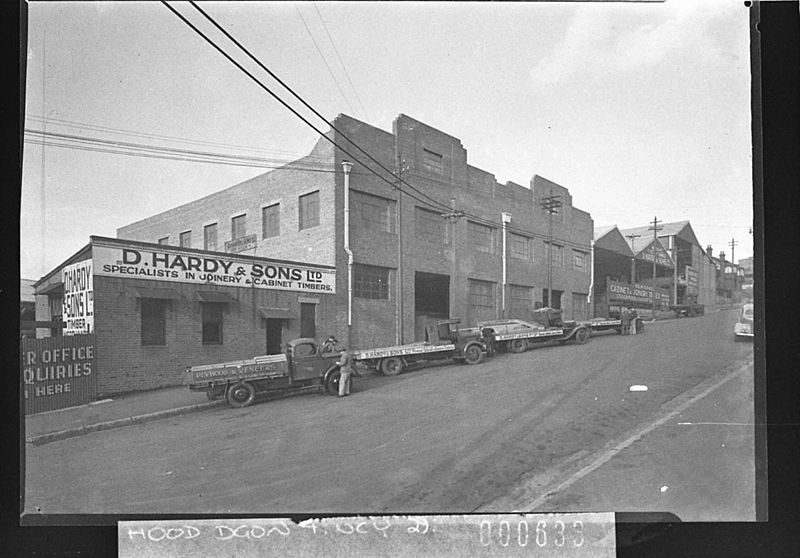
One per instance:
[(114, 412), (132, 408)]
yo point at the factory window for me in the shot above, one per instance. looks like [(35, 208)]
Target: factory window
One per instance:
[(376, 213), (239, 226), (212, 322), (432, 162), (521, 300), (370, 282), (580, 260), (186, 239), (481, 293), (481, 237), (165, 240), (557, 255), (520, 247), (429, 225), (154, 321), (210, 237), (309, 210), (271, 221)]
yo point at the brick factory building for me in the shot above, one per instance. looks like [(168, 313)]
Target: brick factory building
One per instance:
[(455, 243)]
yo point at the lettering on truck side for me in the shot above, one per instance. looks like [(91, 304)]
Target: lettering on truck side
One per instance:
[(509, 336), (401, 351), (606, 322), (248, 370)]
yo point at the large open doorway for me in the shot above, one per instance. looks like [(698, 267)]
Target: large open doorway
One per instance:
[(431, 303), (555, 300), (274, 329)]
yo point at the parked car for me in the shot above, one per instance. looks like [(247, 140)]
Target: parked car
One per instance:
[(744, 330)]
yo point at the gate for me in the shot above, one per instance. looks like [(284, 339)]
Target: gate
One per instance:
[(57, 372)]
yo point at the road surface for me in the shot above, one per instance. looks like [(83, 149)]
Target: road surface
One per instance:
[(451, 438)]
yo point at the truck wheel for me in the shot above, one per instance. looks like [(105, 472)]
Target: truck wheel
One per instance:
[(473, 354), (519, 345), (332, 383), (241, 394), (392, 366), (581, 336)]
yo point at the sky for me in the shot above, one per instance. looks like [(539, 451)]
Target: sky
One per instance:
[(641, 110)]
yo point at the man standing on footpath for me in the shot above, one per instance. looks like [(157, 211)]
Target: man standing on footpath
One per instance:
[(346, 368)]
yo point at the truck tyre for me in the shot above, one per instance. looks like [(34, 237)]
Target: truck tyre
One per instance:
[(473, 354), (241, 394), (392, 366), (519, 345), (332, 383), (582, 336)]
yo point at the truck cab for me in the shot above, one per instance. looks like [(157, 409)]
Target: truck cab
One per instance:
[(308, 359)]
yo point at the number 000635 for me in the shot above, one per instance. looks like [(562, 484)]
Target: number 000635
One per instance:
[(524, 533)]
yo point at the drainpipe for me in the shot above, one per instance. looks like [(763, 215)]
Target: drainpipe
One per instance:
[(347, 166), (591, 281), (506, 220)]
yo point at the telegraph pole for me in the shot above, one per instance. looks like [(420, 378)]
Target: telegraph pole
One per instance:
[(655, 228), (633, 238), (733, 243), (452, 218), (550, 204), (401, 168)]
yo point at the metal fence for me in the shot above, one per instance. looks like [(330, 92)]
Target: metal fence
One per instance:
[(57, 372)]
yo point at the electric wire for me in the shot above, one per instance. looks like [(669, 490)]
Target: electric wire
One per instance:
[(442, 205), (324, 60), (341, 63)]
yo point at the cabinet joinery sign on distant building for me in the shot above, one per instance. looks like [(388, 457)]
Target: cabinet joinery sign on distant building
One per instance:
[(178, 266)]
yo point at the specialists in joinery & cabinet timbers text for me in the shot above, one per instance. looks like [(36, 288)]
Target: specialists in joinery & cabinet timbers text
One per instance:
[(204, 269)]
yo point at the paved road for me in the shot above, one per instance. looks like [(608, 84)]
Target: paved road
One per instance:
[(449, 438)]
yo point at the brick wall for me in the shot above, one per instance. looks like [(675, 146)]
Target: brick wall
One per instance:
[(124, 364)]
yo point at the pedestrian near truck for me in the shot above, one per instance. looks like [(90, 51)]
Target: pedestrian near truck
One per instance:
[(625, 317), (345, 365)]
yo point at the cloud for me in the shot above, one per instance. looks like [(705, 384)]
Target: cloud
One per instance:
[(607, 40)]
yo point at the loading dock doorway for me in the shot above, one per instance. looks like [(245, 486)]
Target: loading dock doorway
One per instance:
[(555, 300), (274, 329), (431, 303)]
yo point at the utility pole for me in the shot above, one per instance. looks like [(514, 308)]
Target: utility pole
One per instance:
[(655, 228), (452, 218), (550, 204), (733, 243), (633, 238), (401, 168)]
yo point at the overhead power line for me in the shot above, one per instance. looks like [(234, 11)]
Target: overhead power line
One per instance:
[(341, 63), (432, 203), (324, 60)]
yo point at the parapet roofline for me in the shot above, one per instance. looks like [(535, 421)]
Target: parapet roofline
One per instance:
[(113, 242)]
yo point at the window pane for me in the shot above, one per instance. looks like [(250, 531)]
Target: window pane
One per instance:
[(481, 237), (154, 321), (270, 221), (432, 162), (212, 323), (521, 300), (429, 225), (580, 260), (238, 227), (481, 293), (520, 247), (186, 239), (376, 213), (309, 210), (210, 237), (370, 282)]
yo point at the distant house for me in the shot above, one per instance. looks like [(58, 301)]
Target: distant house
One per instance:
[(27, 308)]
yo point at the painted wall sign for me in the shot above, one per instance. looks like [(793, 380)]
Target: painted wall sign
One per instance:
[(657, 252), (173, 265), (241, 244), (77, 308), (638, 293), (57, 372)]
